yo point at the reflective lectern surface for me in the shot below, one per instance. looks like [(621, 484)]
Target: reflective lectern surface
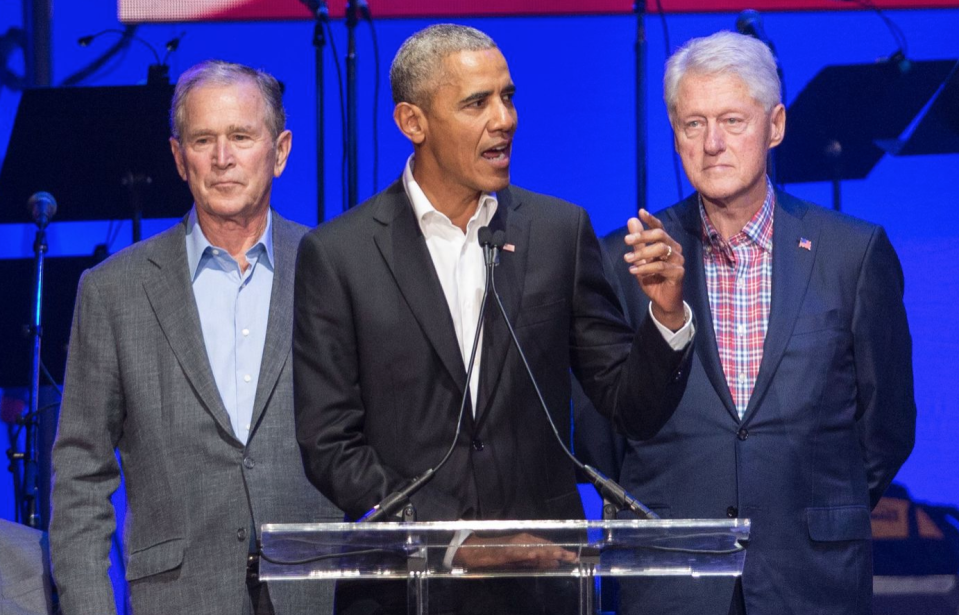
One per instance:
[(423, 550)]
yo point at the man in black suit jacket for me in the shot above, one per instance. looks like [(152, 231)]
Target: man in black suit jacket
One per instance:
[(387, 300), (799, 406)]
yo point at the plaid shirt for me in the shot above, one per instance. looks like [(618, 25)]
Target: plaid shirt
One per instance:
[(739, 284)]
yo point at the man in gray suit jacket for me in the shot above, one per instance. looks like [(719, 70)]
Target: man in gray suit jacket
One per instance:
[(180, 359)]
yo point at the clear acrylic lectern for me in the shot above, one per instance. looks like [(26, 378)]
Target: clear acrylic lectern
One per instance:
[(419, 552)]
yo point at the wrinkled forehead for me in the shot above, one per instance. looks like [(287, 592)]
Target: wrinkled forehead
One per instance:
[(466, 71), (697, 91)]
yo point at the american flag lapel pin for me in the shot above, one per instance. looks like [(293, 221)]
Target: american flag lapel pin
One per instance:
[(805, 244), (508, 247)]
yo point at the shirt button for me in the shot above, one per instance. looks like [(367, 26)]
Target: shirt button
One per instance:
[(741, 329), (248, 463), (742, 378), (743, 434), (241, 534), (478, 444), (216, 252), (732, 512), (247, 378), (245, 332)]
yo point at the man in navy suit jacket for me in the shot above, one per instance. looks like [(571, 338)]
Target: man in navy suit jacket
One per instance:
[(799, 408)]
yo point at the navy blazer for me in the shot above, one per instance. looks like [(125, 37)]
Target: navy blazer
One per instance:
[(830, 421)]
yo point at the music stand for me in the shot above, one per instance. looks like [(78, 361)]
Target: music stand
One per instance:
[(833, 126), (936, 131), (102, 152)]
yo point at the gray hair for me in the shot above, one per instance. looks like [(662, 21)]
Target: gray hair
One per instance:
[(218, 72), (417, 64), (724, 53)]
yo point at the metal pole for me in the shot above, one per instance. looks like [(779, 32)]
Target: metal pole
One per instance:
[(641, 136), (36, 23), (30, 469), (352, 11), (833, 154), (319, 42)]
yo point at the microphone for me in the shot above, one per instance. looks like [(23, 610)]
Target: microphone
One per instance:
[(129, 33), (42, 207), (492, 243), (157, 74), (318, 8), (750, 23), (398, 498), (611, 491)]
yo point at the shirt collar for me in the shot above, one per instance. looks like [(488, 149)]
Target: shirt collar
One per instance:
[(424, 210), (197, 245), (759, 229)]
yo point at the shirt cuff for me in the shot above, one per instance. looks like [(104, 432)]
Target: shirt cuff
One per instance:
[(677, 340), (458, 539)]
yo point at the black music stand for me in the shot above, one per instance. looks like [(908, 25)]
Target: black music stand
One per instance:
[(937, 130), (102, 152), (834, 125)]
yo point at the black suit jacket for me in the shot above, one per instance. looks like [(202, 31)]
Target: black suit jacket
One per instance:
[(379, 376), (830, 421)]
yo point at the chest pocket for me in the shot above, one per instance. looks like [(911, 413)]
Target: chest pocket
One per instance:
[(542, 309), (828, 320)]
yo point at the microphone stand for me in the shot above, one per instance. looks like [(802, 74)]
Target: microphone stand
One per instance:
[(399, 499), (750, 23), (352, 19), (31, 419), (321, 16), (615, 497)]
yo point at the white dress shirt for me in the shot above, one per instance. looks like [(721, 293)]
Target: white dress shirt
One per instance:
[(458, 260), (460, 267)]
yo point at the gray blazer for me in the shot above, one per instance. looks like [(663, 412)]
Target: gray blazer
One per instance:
[(138, 381)]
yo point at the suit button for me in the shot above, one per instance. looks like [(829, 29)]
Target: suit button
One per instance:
[(478, 444), (743, 434), (732, 512), (241, 534), (248, 463)]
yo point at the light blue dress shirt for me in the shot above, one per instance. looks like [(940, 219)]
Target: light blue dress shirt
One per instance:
[(234, 309)]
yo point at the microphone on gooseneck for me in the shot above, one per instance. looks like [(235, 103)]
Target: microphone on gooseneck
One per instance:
[(398, 498), (611, 491)]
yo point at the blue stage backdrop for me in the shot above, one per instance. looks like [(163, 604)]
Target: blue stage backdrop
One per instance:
[(575, 78)]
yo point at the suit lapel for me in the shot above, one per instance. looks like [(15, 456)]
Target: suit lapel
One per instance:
[(510, 277), (694, 289), (279, 330), (170, 294), (792, 267), (400, 242)]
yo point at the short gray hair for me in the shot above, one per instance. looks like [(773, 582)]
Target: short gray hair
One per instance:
[(725, 53), (218, 72), (417, 64)]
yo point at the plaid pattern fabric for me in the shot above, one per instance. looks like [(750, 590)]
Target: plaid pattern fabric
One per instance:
[(739, 284)]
